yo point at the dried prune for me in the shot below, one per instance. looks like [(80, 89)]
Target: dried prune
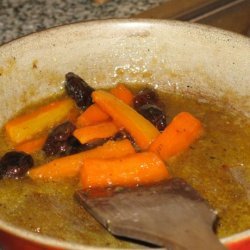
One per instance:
[(73, 146), (15, 164), (78, 90), (57, 142), (63, 131), (154, 114), (77, 147), (145, 96), (61, 142), (123, 134), (95, 143)]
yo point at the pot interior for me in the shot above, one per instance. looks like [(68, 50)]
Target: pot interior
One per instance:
[(199, 62)]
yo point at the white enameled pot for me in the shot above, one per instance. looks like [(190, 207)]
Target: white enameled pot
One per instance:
[(173, 56)]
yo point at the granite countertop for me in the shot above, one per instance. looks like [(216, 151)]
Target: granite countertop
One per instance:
[(22, 17)]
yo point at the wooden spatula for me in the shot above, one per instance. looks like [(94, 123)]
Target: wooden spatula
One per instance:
[(170, 214)]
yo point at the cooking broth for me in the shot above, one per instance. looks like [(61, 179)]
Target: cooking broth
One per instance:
[(217, 165)]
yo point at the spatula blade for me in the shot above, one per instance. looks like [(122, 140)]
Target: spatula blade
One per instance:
[(170, 214)]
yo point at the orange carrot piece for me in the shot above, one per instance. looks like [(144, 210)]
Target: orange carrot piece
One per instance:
[(27, 126), (177, 136), (143, 131), (73, 115), (123, 93), (91, 116), (139, 168), (69, 166), (98, 131), (31, 146)]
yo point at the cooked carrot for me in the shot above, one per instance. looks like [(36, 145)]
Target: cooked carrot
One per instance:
[(98, 131), (31, 146), (143, 131), (73, 115), (123, 93), (26, 126), (177, 136), (91, 116), (94, 114), (139, 168), (69, 166)]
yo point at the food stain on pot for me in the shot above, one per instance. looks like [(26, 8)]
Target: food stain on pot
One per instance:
[(51, 77), (48, 76), (8, 66), (132, 74), (35, 64)]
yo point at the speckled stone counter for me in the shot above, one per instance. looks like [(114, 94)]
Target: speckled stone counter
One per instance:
[(21, 17)]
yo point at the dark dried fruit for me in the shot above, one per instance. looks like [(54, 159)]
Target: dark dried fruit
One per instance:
[(15, 164), (155, 115), (77, 147), (123, 134), (145, 96), (78, 90), (94, 143), (57, 142), (63, 131), (73, 146), (61, 142)]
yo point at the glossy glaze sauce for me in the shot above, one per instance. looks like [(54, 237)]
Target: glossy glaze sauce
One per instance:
[(217, 165)]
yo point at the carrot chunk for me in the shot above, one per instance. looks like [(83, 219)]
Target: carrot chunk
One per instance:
[(177, 136), (91, 116), (140, 128), (139, 168), (26, 126), (123, 93), (98, 131), (31, 146), (94, 114), (73, 115), (69, 166)]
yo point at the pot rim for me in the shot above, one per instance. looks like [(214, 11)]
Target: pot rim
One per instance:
[(146, 21)]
